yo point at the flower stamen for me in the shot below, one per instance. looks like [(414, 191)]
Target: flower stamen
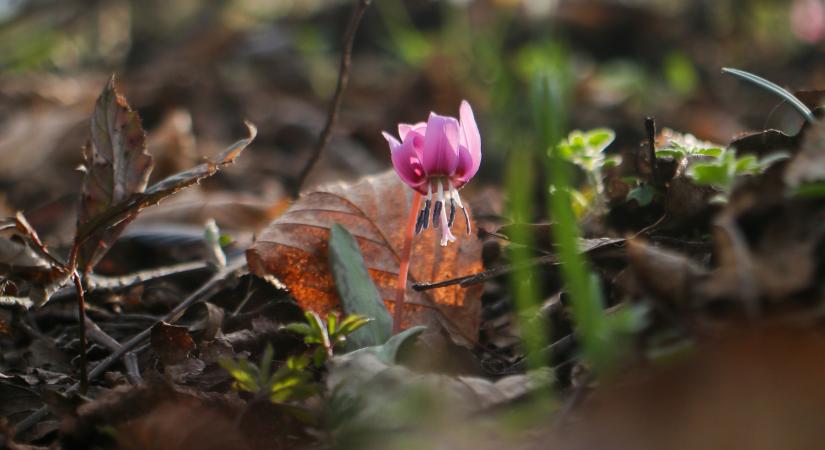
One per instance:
[(454, 195), (439, 204)]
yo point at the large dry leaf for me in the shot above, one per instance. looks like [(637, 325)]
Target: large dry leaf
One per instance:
[(374, 210), (117, 166), (809, 164)]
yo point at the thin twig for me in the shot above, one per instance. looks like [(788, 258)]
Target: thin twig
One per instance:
[(204, 292), (338, 97), (650, 129), (469, 280), (96, 334), (81, 313)]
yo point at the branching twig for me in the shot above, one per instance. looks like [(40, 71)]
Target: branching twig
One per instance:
[(204, 292), (337, 98)]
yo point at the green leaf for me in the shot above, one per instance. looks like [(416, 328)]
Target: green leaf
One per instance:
[(600, 138), (356, 289), (642, 194), (245, 380), (332, 323), (675, 153), (712, 151), (771, 159), (710, 174), (319, 333), (612, 161), (352, 323), (266, 361), (299, 328), (388, 352), (746, 165)]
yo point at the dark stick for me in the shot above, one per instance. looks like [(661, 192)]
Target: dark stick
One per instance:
[(650, 128), (203, 292), (338, 97), (81, 314), (469, 280)]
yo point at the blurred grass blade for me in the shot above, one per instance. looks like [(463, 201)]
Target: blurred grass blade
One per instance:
[(357, 291), (774, 88), (524, 281)]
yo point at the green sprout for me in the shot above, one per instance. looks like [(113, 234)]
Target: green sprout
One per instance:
[(721, 172), (586, 150), (326, 335), (290, 382)]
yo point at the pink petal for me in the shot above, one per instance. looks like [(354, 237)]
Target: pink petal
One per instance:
[(466, 168), (394, 144), (441, 141), (404, 128), (471, 138), (407, 164)]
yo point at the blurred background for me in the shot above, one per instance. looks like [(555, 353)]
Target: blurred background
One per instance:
[(196, 69)]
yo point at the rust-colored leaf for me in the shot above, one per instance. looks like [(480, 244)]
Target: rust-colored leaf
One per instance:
[(294, 249), (117, 166), (172, 343)]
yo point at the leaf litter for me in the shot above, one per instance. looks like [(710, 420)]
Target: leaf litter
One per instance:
[(700, 268)]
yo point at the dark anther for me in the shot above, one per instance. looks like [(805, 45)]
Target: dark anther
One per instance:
[(466, 219), (419, 222), (427, 213), (436, 212), (452, 214)]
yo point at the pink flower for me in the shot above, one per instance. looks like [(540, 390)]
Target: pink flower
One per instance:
[(438, 158), (808, 20)]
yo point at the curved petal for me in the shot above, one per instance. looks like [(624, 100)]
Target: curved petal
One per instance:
[(407, 164), (404, 128), (394, 144), (441, 142), (471, 138), (466, 168)]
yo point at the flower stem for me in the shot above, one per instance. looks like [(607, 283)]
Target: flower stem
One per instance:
[(404, 267)]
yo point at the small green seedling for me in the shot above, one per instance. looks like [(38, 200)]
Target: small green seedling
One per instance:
[(586, 150), (326, 335), (291, 382), (721, 172)]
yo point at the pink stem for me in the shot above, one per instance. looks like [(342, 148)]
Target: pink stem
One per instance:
[(404, 268)]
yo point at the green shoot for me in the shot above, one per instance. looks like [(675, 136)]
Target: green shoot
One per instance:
[(586, 150), (603, 336), (290, 382), (327, 336), (722, 172)]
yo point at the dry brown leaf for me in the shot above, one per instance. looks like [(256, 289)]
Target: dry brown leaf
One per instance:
[(809, 164), (117, 165), (294, 249)]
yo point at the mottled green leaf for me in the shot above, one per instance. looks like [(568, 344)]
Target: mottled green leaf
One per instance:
[(357, 292)]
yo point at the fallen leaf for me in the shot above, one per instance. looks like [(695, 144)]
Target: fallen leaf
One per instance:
[(809, 164), (127, 209), (172, 343), (384, 387), (117, 165), (374, 210), (664, 273)]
